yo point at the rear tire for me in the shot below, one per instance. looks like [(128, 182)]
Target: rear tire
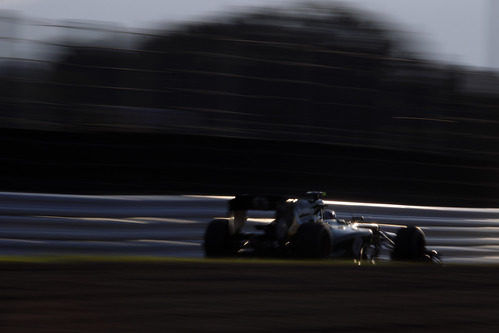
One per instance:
[(410, 245), (313, 240), (218, 241)]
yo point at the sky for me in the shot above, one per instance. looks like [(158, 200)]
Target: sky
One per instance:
[(454, 31)]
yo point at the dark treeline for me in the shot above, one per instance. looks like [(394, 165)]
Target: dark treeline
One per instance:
[(367, 118)]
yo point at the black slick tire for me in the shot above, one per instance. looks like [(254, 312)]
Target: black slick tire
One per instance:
[(312, 240), (218, 241), (410, 245)]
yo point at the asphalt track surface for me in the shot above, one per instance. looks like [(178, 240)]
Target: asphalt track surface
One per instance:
[(207, 296), (173, 226)]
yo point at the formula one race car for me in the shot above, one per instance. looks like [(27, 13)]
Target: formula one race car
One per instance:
[(304, 228)]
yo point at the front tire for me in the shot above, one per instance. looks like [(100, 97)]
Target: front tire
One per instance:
[(410, 245)]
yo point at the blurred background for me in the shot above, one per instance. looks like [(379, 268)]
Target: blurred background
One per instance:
[(379, 101)]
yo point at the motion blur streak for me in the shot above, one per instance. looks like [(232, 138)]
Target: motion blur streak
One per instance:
[(275, 100), (448, 209), (174, 225)]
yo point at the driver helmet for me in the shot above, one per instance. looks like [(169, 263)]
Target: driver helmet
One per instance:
[(329, 214)]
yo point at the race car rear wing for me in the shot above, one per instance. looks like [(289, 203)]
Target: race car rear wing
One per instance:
[(239, 206), (267, 202), (255, 202)]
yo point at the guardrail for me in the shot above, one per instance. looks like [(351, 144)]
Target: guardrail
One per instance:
[(174, 225)]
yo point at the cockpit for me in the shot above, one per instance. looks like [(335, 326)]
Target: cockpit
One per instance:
[(329, 214)]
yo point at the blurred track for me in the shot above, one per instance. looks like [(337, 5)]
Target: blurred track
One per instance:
[(36, 224)]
